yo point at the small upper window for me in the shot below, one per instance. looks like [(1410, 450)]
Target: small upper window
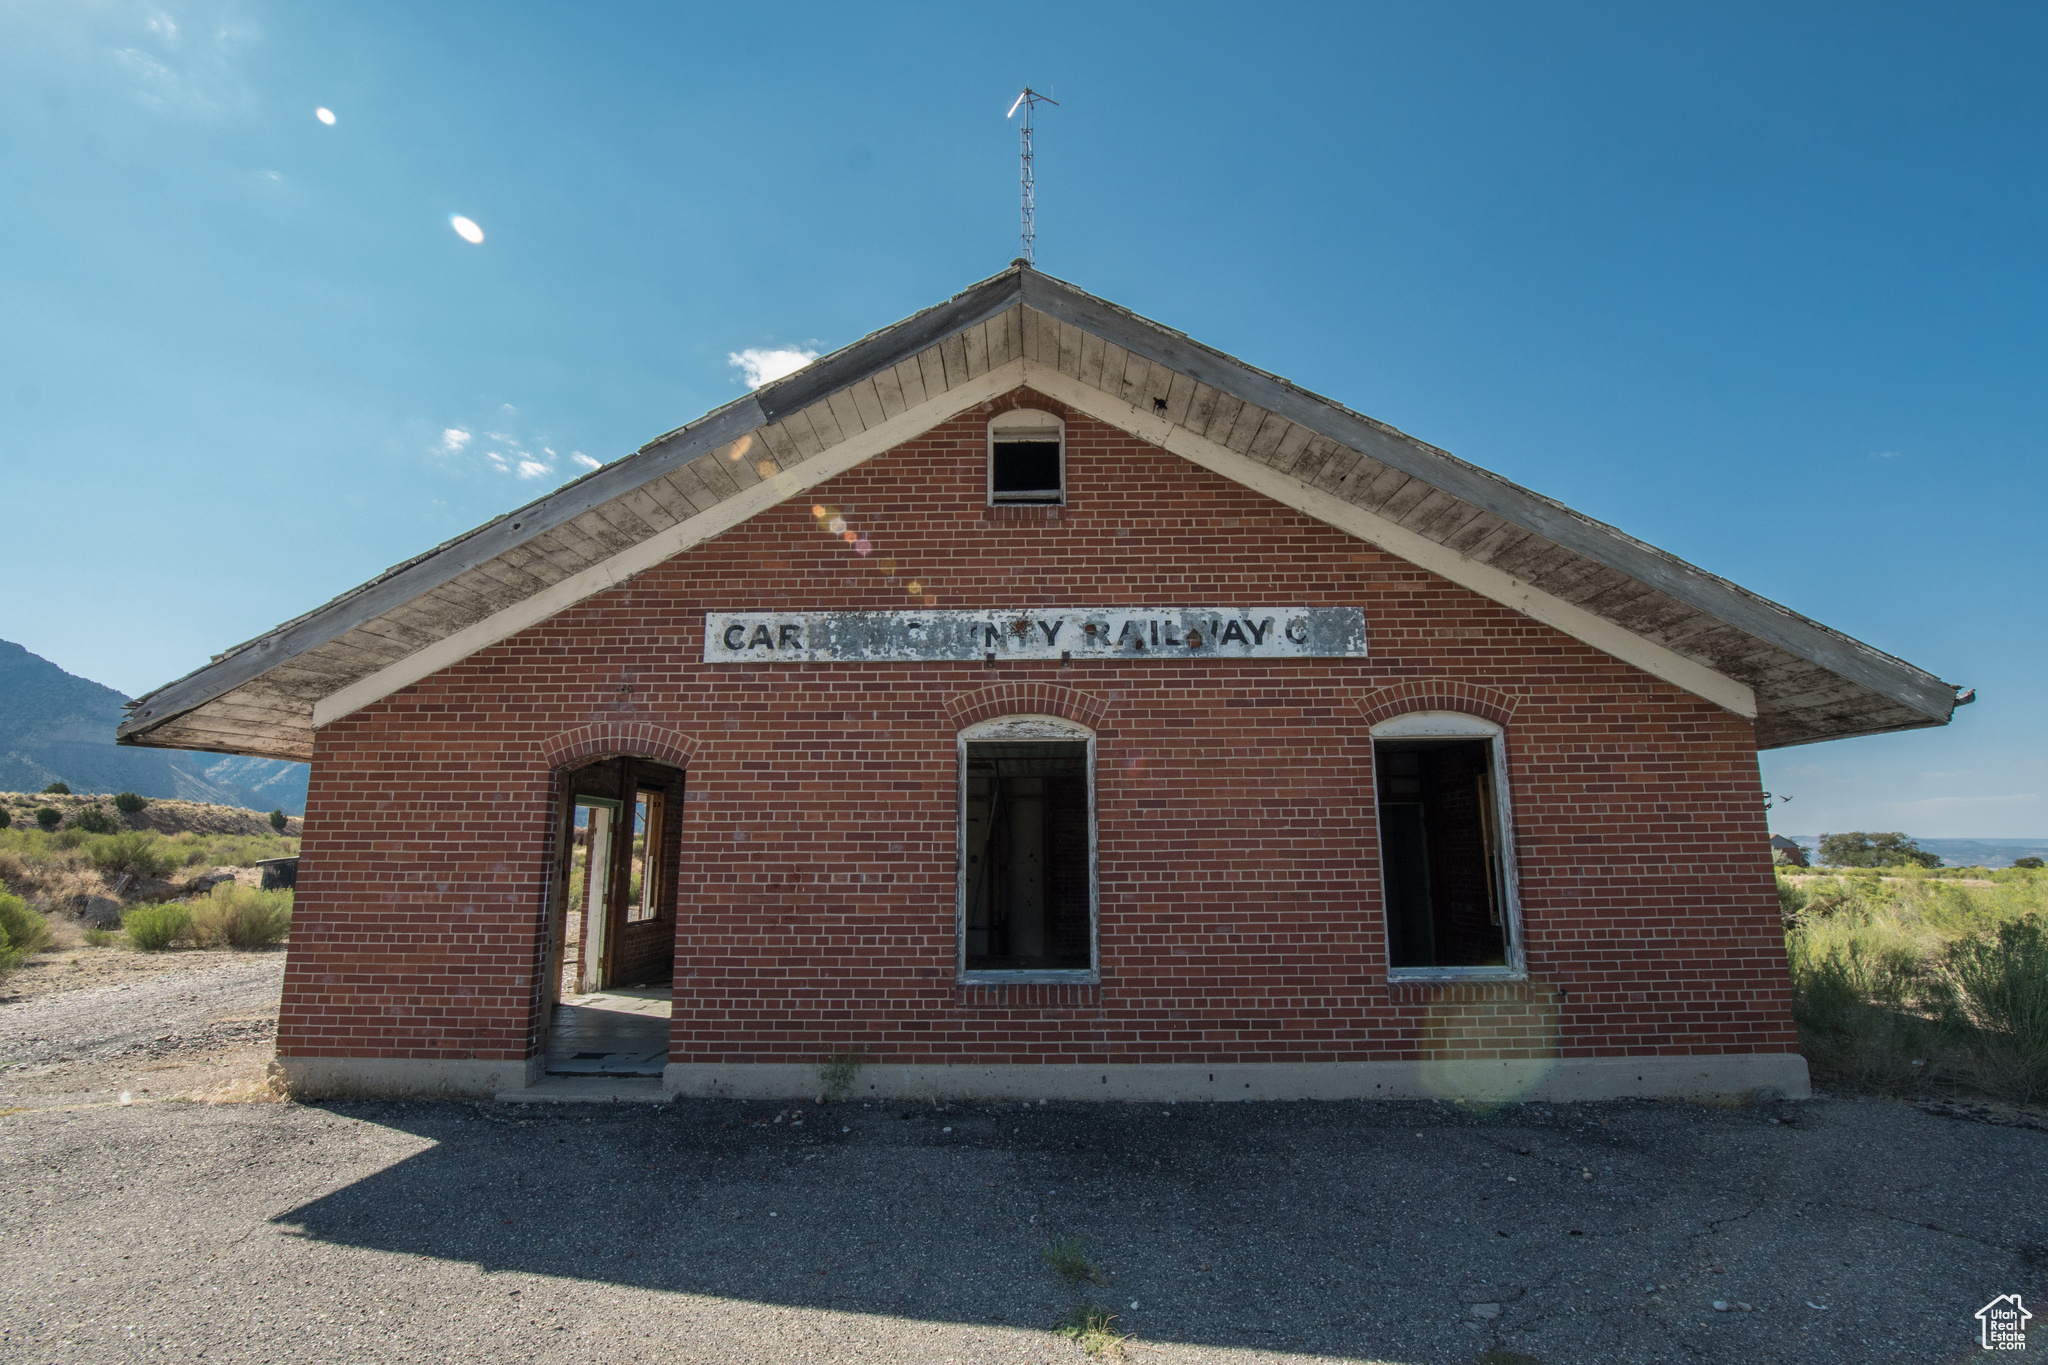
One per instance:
[(1027, 458)]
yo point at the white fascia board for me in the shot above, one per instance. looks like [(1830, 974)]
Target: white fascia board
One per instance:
[(1484, 579), (684, 535)]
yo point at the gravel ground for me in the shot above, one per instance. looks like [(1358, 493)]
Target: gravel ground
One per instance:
[(81, 1025), (1839, 1230)]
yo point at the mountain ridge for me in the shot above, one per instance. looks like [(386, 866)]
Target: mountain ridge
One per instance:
[(58, 727)]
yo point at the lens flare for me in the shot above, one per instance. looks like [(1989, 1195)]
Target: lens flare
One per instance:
[(837, 526), (326, 116), (862, 547), (467, 230), (766, 469), (849, 536), (818, 512), (915, 589), (887, 566)]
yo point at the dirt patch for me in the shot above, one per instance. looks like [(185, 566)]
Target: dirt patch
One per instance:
[(83, 1025)]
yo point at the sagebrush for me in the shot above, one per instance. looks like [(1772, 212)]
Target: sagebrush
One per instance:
[(22, 931), (154, 928), (1915, 982), (241, 917)]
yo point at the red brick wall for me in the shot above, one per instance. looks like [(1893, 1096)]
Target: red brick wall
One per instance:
[(1240, 916)]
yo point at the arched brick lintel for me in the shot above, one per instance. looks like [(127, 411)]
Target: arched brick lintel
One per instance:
[(1437, 694), (1025, 698), (606, 738)]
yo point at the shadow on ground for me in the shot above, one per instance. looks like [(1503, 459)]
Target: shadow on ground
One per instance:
[(1373, 1231)]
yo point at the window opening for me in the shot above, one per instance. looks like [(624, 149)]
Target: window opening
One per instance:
[(583, 938), (643, 901), (1027, 458), (1029, 885), (1443, 863)]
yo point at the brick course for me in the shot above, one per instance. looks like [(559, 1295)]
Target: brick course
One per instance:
[(1240, 911)]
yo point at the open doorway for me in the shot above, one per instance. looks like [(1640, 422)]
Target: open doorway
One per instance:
[(613, 919)]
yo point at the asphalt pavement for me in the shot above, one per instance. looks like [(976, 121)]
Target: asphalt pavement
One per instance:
[(1837, 1230)]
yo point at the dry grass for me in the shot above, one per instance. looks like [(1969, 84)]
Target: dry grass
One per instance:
[(1093, 1329), (1070, 1263), (165, 815), (1922, 985)]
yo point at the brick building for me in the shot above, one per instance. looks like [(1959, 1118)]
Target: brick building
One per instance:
[(1028, 700)]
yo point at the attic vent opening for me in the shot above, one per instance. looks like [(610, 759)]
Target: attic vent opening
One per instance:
[(1027, 458)]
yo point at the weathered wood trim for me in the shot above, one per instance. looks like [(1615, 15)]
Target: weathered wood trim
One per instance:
[(639, 558), (1489, 582)]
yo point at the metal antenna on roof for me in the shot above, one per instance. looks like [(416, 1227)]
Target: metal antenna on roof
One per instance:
[(1030, 100)]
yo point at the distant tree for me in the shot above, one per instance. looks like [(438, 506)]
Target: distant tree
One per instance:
[(128, 803), (94, 820), (5, 819), (1857, 849), (2027, 862), (49, 817), (56, 789), (277, 820)]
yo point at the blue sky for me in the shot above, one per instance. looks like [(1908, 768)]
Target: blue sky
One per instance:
[(1762, 285)]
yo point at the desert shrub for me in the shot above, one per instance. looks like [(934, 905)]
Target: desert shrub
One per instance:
[(22, 931), (128, 803), (2024, 864), (277, 820), (141, 853), (245, 850), (56, 789), (1792, 900), (93, 820), (6, 819), (69, 838), (154, 928), (241, 917), (1998, 987), (49, 817)]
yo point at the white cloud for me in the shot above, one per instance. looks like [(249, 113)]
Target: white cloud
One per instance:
[(758, 366), (580, 458), (170, 72), (504, 451)]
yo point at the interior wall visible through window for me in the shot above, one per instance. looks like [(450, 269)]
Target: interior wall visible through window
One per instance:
[(1027, 458), (1028, 870), (1444, 860)]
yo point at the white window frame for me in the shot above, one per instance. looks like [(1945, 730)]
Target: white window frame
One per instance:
[(1014, 422), (1023, 729), (1458, 725)]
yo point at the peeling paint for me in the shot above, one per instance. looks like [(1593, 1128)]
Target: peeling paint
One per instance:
[(1034, 633)]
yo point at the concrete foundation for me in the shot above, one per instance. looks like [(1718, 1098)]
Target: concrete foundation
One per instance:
[(341, 1078), (1732, 1076)]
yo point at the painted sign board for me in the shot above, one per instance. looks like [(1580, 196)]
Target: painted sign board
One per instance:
[(826, 637)]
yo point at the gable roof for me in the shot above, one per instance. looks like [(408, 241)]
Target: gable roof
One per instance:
[(1800, 680)]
